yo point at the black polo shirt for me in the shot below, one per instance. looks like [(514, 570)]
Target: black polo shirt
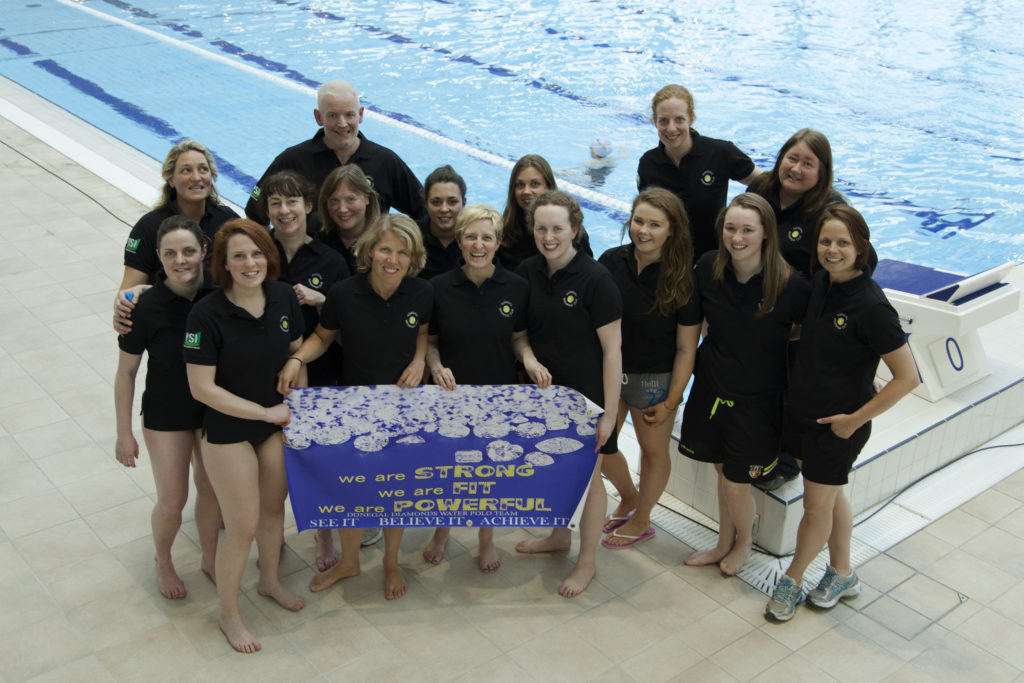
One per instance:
[(395, 184), (743, 355), (317, 266), (648, 338), (440, 259), (511, 257), (247, 351), (158, 326), (563, 317), (701, 180), (475, 324), (378, 337), (848, 327), (140, 249)]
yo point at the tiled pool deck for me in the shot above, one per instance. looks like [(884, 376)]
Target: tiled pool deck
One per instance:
[(79, 599)]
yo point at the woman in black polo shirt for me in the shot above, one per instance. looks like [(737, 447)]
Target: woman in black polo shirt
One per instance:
[(445, 194), (311, 268), (751, 300), (348, 206), (380, 316), (574, 321), (171, 418), (831, 401), (695, 168), (477, 331), (189, 189), (236, 340), (660, 331)]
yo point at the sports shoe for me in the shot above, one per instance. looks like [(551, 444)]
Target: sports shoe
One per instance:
[(833, 587), (784, 601)]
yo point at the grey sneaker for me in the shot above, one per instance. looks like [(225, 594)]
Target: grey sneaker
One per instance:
[(832, 588), (371, 536), (784, 601)]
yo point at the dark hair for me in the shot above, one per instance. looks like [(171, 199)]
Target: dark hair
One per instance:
[(675, 277), (814, 199), (514, 218), (444, 174), (286, 184), (775, 271), (254, 231), (179, 222), (567, 202), (168, 195), (860, 233), (353, 176)]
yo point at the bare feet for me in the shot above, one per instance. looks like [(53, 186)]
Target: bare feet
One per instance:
[(703, 557), (578, 580), (283, 596), (325, 555), (240, 637), (619, 516), (170, 584), (548, 544), (394, 582), (326, 579), (209, 568), (489, 560), (733, 562), (434, 552)]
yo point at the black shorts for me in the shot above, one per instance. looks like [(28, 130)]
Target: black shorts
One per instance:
[(219, 428), (179, 416), (825, 458), (741, 435), (612, 444)]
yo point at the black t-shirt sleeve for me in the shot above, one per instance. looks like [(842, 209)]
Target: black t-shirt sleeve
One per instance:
[(801, 295), (137, 338), (297, 322), (330, 312), (739, 164), (881, 331), (690, 313), (607, 300), (140, 249)]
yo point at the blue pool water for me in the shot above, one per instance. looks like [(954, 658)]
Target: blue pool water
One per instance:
[(920, 100)]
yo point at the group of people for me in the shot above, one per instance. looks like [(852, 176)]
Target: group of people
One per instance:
[(322, 284)]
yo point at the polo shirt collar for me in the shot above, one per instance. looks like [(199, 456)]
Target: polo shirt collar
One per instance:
[(852, 285), (362, 285), (698, 148), (499, 276)]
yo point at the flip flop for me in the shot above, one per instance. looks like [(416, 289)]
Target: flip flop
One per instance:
[(613, 523), (633, 540)]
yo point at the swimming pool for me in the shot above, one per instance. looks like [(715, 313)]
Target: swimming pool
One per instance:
[(919, 100)]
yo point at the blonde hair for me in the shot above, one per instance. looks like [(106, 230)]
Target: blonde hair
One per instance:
[(168, 193), (477, 212), (400, 225)]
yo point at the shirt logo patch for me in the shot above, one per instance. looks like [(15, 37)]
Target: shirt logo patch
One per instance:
[(707, 177), (506, 309), (412, 319), (316, 281), (192, 340), (795, 234), (132, 245), (285, 325), (570, 299), (256, 192), (760, 305), (840, 321)]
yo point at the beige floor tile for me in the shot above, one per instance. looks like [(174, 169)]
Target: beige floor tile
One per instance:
[(76, 463), (793, 668), (1011, 603), (954, 659), (847, 655), (21, 390), (21, 480), (54, 438), (999, 548), (501, 669), (34, 512), (1013, 522), (884, 573), (39, 412), (669, 601), (662, 660), (43, 646), (616, 629), (737, 660), (926, 596), (336, 637), (450, 648), (153, 654), (59, 545), (991, 506), (278, 661), (122, 523), (704, 672), (559, 655), (897, 617), (25, 602), (85, 669), (100, 491), (971, 576), (920, 550), (510, 623), (96, 577), (1012, 486), (12, 566), (996, 634), (709, 633), (621, 570), (11, 454), (77, 328), (911, 673), (201, 629), (27, 338), (957, 527), (808, 624), (387, 664), (84, 399), (711, 582)]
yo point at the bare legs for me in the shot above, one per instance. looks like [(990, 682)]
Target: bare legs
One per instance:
[(616, 470), (348, 566), (655, 467), (590, 536), (325, 555), (170, 454), (736, 525), (827, 518), (250, 486), (489, 560)]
